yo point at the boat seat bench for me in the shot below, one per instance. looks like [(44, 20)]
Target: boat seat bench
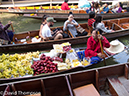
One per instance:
[(86, 90)]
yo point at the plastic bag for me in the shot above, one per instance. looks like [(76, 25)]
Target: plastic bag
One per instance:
[(52, 53), (72, 58), (86, 61), (58, 48)]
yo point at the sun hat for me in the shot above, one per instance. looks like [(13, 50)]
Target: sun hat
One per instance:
[(115, 47), (50, 19)]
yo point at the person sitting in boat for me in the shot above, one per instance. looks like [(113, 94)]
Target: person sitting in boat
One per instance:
[(97, 10), (65, 5), (91, 19), (44, 21), (93, 46), (118, 9), (100, 25), (71, 25), (105, 9), (47, 33), (5, 34), (92, 8)]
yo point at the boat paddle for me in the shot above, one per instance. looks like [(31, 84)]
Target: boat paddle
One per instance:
[(12, 27), (12, 30), (102, 50)]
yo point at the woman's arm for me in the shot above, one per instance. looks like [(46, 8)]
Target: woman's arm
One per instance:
[(74, 23), (89, 49), (103, 28), (65, 25), (2, 28), (40, 31)]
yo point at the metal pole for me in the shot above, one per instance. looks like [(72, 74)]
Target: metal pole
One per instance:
[(13, 3)]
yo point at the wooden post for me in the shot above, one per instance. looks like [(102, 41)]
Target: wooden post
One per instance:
[(43, 88), (13, 3), (69, 86), (97, 79), (126, 71), (50, 4)]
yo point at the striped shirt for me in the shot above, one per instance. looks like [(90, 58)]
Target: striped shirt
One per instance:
[(91, 21)]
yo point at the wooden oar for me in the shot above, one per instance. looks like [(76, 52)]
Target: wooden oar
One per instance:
[(12, 27), (13, 31), (101, 49)]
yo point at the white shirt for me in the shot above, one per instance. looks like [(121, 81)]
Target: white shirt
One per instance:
[(71, 27), (46, 32)]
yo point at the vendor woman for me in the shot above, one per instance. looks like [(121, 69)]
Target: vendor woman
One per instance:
[(93, 46)]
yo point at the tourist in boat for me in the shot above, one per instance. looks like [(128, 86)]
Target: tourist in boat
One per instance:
[(93, 46), (91, 19), (47, 33), (92, 8), (5, 34), (65, 5), (44, 21), (97, 10), (100, 25), (71, 25), (118, 9), (105, 9)]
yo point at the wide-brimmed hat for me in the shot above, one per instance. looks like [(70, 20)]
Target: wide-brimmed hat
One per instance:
[(50, 19), (115, 47)]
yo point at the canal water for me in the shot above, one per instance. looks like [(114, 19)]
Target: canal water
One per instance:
[(22, 24)]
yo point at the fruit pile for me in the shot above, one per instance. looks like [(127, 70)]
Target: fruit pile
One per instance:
[(58, 59), (16, 65), (44, 65)]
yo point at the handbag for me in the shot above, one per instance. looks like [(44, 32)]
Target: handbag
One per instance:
[(80, 29)]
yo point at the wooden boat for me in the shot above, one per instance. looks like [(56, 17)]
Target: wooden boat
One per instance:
[(45, 7), (60, 14), (107, 81), (25, 3), (73, 69), (123, 22), (29, 46), (78, 14)]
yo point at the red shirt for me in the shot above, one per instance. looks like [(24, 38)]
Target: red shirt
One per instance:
[(93, 47), (65, 6), (91, 21)]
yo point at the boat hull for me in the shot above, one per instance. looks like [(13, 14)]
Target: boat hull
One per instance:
[(103, 78), (49, 44), (63, 16)]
